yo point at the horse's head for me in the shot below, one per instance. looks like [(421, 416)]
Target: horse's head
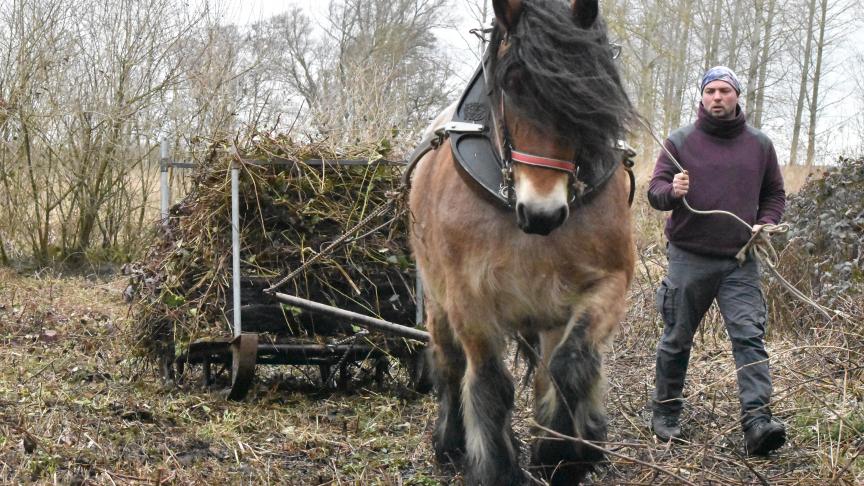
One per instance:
[(559, 101)]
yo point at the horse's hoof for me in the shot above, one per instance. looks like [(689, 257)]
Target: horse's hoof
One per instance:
[(453, 458), (448, 441), (449, 452), (563, 463)]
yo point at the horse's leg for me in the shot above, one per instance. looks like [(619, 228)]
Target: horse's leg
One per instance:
[(569, 393), (569, 386), (487, 404), (448, 439)]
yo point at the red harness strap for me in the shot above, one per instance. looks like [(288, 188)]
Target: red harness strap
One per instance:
[(536, 160)]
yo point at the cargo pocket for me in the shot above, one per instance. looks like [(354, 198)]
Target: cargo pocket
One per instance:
[(762, 312), (666, 302)]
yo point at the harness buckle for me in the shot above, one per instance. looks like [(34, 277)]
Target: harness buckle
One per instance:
[(463, 127)]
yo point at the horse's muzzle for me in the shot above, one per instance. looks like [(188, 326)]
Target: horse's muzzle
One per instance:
[(540, 222)]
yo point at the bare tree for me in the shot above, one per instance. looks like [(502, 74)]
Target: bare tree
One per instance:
[(831, 28), (763, 63), (375, 71), (805, 75), (34, 32)]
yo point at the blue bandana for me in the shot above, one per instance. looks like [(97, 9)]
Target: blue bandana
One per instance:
[(721, 73)]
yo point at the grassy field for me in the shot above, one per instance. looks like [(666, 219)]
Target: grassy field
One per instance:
[(76, 407)]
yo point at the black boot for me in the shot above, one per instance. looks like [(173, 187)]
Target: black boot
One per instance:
[(764, 436), (666, 427)]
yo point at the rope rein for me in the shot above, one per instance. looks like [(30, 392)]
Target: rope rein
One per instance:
[(759, 243)]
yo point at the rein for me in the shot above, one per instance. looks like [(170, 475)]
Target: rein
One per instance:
[(759, 242)]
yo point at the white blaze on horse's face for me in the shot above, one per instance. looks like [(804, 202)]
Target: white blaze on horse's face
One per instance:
[(542, 198)]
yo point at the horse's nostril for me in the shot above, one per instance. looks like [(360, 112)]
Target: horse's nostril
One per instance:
[(540, 222), (562, 215), (521, 218)]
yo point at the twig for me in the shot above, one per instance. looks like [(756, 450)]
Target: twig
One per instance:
[(836, 476), (753, 470), (591, 444), (136, 478)]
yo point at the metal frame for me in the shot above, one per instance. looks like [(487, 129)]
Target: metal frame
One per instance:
[(245, 349)]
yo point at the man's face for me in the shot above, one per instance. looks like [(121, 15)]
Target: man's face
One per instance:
[(720, 99)]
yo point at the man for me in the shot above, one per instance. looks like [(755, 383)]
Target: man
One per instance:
[(730, 166)]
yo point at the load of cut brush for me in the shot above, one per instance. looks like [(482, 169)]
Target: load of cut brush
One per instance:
[(181, 291)]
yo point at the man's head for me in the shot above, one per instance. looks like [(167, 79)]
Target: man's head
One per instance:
[(720, 90)]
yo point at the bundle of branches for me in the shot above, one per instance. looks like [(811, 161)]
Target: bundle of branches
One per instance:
[(823, 253), (288, 213)]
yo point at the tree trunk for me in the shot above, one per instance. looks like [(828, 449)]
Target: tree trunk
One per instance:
[(817, 73), (735, 20), (713, 34), (680, 78), (753, 66), (763, 64), (802, 89), (4, 258)]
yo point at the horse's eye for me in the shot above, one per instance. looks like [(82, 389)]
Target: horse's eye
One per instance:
[(514, 81)]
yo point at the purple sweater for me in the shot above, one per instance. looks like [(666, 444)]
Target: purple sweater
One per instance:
[(732, 167)]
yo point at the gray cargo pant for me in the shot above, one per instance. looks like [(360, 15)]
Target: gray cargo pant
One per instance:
[(692, 283)]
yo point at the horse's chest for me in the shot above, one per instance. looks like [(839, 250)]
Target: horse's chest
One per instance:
[(524, 286)]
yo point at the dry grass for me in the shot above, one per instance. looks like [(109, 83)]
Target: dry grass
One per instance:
[(795, 176), (78, 409)]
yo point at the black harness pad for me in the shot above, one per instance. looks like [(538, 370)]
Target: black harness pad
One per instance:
[(475, 152)]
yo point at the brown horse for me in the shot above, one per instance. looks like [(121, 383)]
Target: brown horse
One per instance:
[(558, 269)]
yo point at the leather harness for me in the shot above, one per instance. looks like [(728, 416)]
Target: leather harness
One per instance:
[(470, 133)]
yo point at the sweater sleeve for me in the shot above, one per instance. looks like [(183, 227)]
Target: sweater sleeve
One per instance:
[(660, 188), (772, 196)]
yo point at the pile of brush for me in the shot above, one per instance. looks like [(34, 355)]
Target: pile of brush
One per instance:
[(181, 291)]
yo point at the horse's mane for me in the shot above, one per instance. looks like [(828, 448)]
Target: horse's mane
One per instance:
[(563, 78)]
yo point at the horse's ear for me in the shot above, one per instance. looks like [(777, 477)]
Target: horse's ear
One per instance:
[(507, 12), (585, 12)]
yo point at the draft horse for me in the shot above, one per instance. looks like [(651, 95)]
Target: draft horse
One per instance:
[(555, 263)]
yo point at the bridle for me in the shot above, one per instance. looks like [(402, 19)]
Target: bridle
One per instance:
[(510, 156)]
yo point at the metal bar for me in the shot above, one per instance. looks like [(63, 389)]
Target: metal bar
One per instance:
[(182, 165), (315, 350), (165, 188), (235, 245), (365, 321), (282, 353), (418, 297)]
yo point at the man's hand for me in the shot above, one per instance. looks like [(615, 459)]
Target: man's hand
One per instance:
[(680, 184)]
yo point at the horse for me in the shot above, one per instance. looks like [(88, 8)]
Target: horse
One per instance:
[(554, 264)]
